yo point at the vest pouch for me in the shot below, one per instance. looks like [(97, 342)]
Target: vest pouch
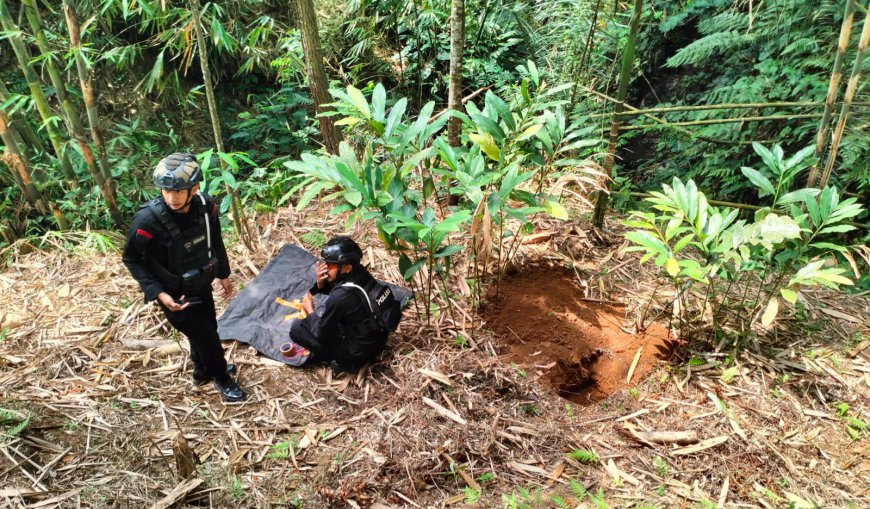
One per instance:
[(198, 280)]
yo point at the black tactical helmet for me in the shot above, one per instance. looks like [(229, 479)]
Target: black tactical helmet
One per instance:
[(341, 250), (176, 172)]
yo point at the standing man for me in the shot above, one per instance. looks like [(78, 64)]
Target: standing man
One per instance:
[(175, 250), (347, 335)]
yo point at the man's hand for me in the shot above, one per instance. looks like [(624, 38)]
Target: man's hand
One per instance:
[(321, 274), (228, 287), (170, 303), (308, 303)]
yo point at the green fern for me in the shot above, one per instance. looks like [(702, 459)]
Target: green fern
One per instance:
[(281, 450), (705, 47), (7, 416), (472, 496), (584, 455), (578, 489), (559, 502), (725, 21), (598, 500)]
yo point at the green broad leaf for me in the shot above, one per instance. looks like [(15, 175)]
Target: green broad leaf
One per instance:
[(379, 102), (229, 180), (683, 242), (359, 101), (556, 209), (647, 240), (833, 275), (759, 180), (545, 138), (839, 228), (581, 144), (229, 160), (349, 121), (672, 266), (487, 144), (504, 112), (311, 193), (533, 73), (530, 132), (632, 223), (428, 187), (353, 197), (776, 228), (801, 195), (450, 250), (488, 126), (827, 245), (800, 156), (815, 213), (827, 200), (770, 160), (396, 113), (344, 207), (789, 295)]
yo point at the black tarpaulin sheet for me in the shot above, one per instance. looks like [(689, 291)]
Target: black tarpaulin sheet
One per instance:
[(254, 316)]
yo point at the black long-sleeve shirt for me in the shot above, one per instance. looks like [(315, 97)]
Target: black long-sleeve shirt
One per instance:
[(149, 239), (330, 334)]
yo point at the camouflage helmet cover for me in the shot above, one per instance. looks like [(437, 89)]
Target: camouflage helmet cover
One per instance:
[(176, 172)]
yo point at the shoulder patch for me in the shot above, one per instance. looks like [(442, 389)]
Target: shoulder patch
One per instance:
[(140, 231)]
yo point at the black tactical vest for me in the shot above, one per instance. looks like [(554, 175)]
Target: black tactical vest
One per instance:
[(192, 266)]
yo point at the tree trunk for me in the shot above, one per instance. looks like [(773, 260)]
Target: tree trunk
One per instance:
[(235, 201), (627, 62), (107, 189), (23, 57), (847, 102), (87, 90), (457, 46), (316, 73), (833, 90), (19, 166)]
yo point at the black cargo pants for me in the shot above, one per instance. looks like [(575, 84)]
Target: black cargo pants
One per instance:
[(199, 323)]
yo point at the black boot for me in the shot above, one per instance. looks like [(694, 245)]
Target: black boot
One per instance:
[(199, 376), (229, 389)]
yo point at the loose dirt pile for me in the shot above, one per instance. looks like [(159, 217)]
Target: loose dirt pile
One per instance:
[(581, 347)]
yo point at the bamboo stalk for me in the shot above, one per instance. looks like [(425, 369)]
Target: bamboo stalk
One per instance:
[(88, 93), (706, 107), (235, 201), (457, 45), (587, 49), (35, 19), (833, 90), (21, 126), (713, 121), (847, 102), (663, 122), (627, 61), (19, 165), (107, 190), (23, 57)]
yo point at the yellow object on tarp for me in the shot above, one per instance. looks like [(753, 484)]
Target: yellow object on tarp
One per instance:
[(295, 304)]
